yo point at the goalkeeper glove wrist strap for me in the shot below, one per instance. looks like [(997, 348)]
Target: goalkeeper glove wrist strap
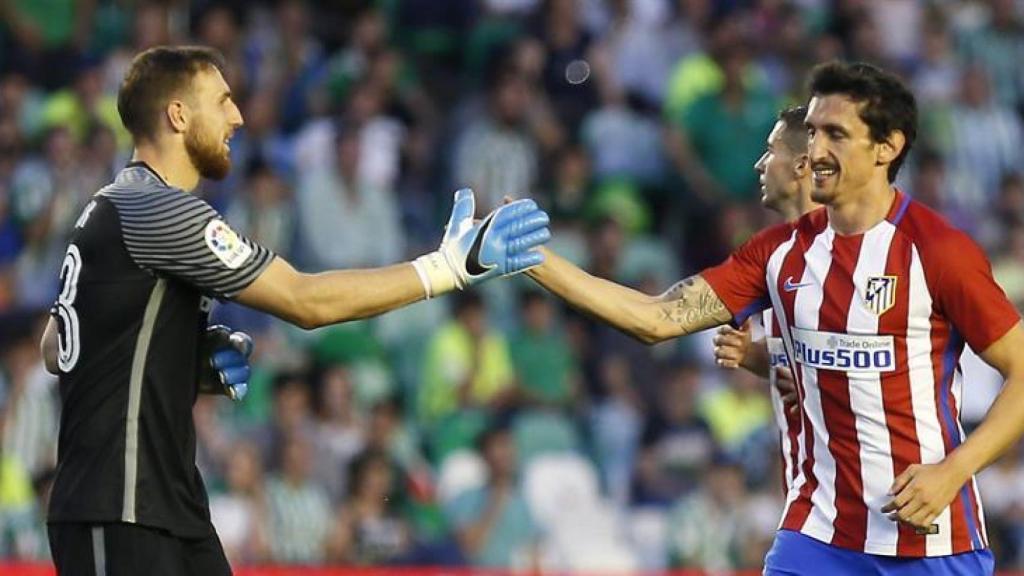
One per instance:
[(436, 274)]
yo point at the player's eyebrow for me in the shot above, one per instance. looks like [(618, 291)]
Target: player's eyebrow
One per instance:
[(830, 127), (836, 129)]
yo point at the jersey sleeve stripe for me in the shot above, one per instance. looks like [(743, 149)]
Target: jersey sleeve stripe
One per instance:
[(165, 230)]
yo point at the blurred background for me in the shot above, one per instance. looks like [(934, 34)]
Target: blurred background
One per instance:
[(493, 428)]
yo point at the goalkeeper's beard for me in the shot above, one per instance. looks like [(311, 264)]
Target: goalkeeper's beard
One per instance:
[(209, 156)]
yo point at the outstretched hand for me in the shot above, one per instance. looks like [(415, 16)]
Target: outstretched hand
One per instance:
[(501, 244)]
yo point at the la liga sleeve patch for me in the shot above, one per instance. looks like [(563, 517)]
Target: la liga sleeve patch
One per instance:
[(225, 244)]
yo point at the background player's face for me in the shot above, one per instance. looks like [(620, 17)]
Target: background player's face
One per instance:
[(843, 156), (215, 119), (778, 170)]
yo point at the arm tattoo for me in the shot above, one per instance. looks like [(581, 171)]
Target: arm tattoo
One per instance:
[(693, 305)]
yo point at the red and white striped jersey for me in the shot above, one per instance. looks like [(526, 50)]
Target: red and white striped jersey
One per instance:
[(787, 421), (874, 324)]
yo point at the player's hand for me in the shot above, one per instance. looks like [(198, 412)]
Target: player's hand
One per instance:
[(501, 244), (922, 492), (225, 354), (786, 387), (732, 345)]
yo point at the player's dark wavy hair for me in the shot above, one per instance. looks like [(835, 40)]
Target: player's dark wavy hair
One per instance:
[(154, 77), (888, 103)]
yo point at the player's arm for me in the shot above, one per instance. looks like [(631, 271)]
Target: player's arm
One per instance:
[(1004, 423), (689, 306), (969, 297), (313, 300), (923, 491), (229, 266), (503, 243), (48, 346)]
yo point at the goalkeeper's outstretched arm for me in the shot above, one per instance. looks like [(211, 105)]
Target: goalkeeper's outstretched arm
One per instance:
[(689, 306), (503, 243)]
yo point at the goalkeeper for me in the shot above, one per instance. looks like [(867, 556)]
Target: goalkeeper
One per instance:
[(129, 335)]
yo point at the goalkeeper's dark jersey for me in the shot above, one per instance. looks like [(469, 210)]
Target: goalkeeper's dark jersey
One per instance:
[(143, 264)]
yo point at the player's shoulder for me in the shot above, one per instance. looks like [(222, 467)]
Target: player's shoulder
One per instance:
[(809, 225), (931, 232), (137, 180), (940, 245), (138, 192), (812, 223), (763, 243), (773, 236)]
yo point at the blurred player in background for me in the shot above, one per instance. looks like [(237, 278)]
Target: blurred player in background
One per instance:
[(785, 174), (129, 335), (874, 313)]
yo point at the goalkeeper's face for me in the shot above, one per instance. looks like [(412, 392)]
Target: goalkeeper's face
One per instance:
[(215, 119), (779, 170)]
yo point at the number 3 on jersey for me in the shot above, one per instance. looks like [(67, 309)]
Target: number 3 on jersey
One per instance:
[(68, 343)]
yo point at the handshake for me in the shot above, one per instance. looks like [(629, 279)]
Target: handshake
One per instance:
[(502, 244)]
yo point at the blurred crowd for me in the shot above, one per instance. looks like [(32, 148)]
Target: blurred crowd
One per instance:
[(494, 427)]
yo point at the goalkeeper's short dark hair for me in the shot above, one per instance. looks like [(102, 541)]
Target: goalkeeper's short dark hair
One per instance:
[(154, 78)]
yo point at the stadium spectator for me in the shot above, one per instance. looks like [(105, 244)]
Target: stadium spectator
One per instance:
[(240, 511), (986, 141), (28, 433), (706, 527), (369, 528), (340, 430), (467, 377), (722, 130), (541, 356), (497, 154), (676, 445), (298, 508), (344, 220), (292, 416), (616, 422), (736, 411), (492, 523)]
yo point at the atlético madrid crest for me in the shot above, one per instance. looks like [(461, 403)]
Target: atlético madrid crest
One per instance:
[(880, 294)]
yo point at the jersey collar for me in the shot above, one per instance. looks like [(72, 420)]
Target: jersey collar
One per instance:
[(143, 164), (898, 208)]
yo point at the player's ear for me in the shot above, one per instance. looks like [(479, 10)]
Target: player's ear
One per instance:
[(891, 147), (177, 116), (801, 166)]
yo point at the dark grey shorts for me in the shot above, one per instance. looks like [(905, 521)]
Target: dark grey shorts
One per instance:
[(131, 550)]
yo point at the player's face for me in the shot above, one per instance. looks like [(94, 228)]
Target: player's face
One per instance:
[(215, 119), (777, 169), (843, 156)]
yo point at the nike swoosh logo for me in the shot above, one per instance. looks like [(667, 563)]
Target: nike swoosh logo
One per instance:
[(788, 286), (473, 265)]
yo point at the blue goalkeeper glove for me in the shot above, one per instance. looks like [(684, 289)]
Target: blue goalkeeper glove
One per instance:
[(501, 244), (225, 357)]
